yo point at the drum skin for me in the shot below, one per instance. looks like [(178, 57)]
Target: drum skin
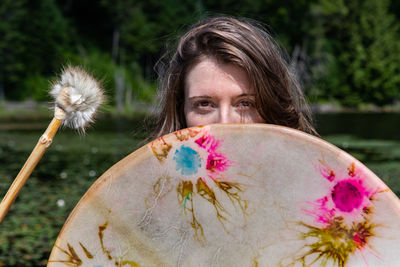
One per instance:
[(234, 195)]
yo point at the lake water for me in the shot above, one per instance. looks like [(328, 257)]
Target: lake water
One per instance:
[(385, 126)]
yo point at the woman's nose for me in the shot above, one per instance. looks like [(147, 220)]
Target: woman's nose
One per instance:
[(227, 115)]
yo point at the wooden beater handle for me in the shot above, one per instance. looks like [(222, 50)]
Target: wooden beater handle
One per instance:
[(44, 142)]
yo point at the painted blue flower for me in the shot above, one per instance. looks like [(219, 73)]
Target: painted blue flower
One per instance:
[(187, 160)]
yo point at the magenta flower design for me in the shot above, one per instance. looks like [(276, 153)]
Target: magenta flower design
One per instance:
[(216, 162), (348, 194), (348, 197)]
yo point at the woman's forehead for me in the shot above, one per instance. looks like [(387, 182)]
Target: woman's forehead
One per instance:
[(210, 75)]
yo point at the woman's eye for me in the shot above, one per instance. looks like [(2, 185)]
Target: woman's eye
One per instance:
[(246, 104), (203, 104)]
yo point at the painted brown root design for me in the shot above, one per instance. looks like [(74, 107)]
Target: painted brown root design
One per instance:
[(102, 228), (232, 190), (205, 192), (335, 243), (185, 199), (187, 190), (74, 260), (185, 134), (160, 149), (160, 189)]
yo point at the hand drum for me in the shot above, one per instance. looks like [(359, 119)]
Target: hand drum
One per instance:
[(234, 195)]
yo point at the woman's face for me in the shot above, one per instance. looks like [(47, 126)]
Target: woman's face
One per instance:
[(219, 93)]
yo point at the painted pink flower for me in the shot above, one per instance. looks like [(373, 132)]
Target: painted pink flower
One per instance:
[(208, 142), (348, 194), (202, 141), (347, 198), (216, 162)]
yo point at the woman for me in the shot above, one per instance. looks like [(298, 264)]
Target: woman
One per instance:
[(227, 70)]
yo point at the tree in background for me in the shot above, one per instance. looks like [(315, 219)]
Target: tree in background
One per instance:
[(358, 52), (12, 45), (139, 30), (35, 37)]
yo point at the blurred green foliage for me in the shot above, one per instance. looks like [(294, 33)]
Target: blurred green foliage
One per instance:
[(344, 51), (362, 51)]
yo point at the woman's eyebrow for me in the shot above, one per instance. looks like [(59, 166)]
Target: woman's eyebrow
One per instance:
[(207, 96), (200, 96), (246, 95)]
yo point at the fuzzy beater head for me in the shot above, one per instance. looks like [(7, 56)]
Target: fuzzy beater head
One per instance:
[(78, 95)]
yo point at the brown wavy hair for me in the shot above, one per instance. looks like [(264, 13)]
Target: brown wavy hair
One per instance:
[(279, 99)]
